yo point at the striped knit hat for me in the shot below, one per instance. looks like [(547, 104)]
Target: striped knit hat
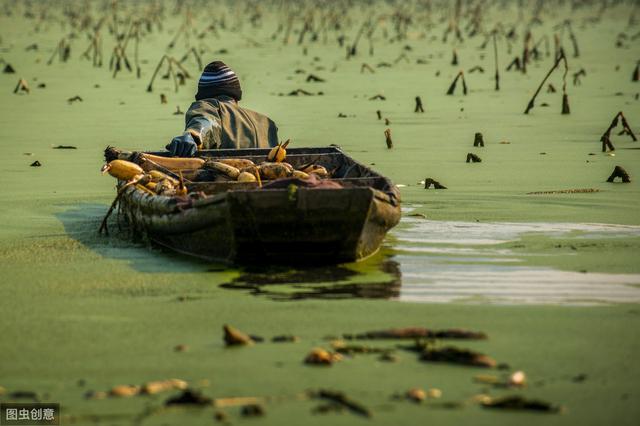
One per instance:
[(218, 79)]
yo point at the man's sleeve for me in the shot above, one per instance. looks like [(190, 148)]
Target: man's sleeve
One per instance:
[(202, 120)]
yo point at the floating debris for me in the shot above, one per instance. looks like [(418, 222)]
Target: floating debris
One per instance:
[(606, 136), (477, 68), (576, 76), (452, 87), (454, 355), (418, 215), (418, 332), (171, 65), (579, 378), (342, 347), (565, 191), (473, 158), (124, 391), (366, 67), (237, 401), (515, 64), (386, 121), (285, 338), (389, 357), (163, 98), (311, 78), (257, 339), (158, 386), (62, 50), (418, 107), (561, 58), (23, 394), (35, 164), (478, 140), (428, 183), (518, 379), (64, 147), (8, 69), (378, 97), (487, 379), (178, 111), (299, 92), (235, 337), (401, 57), (517, 402), (95, 395), (22, 86), (319, 356), (180, 348), (434, 393), (379, 114), (619, 172), (565, 104), (189, 397), (252, 410), (416, 394), (387, 136), (330, 407), (74, 99), (343, 400), (606, 143)]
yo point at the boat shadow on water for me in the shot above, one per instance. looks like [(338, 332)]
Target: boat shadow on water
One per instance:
[(81, 223), (279, 282), (326, 282)]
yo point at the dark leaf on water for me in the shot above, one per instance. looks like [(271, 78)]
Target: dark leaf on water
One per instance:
[(189, 397), (517, 402), (342, 400), (454, 355), (418, 332)]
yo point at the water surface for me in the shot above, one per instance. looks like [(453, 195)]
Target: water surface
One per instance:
[(456, 261)]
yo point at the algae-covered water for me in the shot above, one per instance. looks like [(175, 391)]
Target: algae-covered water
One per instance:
[(553, 279)]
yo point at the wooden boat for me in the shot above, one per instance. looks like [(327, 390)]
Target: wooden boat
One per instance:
[(282, 221)]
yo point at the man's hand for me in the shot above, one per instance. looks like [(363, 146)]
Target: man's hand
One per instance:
[(183, 146)]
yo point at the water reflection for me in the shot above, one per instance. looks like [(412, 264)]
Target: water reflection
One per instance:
[(327, 282)]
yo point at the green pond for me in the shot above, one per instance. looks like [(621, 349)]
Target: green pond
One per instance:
[(553, 278)]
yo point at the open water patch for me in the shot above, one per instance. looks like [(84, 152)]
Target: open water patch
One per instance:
[(454, 261)]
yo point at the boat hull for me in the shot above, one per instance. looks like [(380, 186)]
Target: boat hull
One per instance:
[(291, 224)]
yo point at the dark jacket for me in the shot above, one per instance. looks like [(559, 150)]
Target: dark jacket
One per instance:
[(220, 123)]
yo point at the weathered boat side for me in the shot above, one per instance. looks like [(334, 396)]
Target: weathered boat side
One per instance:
[(243, 223)]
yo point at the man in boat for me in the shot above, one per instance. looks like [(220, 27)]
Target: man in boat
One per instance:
[(216, 121)]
